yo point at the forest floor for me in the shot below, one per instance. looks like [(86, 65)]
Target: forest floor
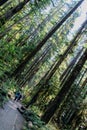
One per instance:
[(10, 118)]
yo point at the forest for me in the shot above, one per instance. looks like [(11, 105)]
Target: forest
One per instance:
[(43, 54)]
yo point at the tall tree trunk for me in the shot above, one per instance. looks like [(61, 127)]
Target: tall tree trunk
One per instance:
[(34, 67), (43, 23), (84, 83), (2, 2), (73, 95), (35, 96), (50, 33), (9, 39), (44, 81), (6, 5), (21, 19), (2, 34), (75, 118), (64, 90), (69, 69), (12, 12)]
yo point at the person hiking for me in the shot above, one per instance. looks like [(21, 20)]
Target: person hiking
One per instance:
[(17, 96)]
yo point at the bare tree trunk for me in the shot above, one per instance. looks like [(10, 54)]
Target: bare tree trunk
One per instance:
[(67, 72), (64, 90), (2, 2), (44, 81), (32, 34), (33, 68), (12, 12), (50, 33), (2, 34), (6, 5), (75, 121), (73, 96)]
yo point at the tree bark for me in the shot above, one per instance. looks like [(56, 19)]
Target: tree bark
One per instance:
[(41, 86), (50, 33), (69, 69), (64, 90), (54, 67), (6, 5), (43, 82), (2, 34), (34, 67), (73, 96), (12, 12), (2, 2)]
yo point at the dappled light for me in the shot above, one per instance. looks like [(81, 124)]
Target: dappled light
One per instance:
[(43, 64)]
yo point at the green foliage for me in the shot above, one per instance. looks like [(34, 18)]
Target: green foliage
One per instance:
[(42, 15), (3, 96), (34, 120), (85, 45), (50, 126)]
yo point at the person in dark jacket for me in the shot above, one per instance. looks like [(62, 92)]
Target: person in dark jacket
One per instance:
[(18, 96)]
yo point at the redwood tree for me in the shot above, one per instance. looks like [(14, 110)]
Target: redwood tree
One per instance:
[(50, 33), (64, 90)]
